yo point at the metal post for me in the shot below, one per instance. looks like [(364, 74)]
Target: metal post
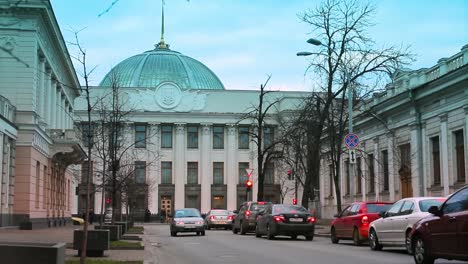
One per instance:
[(350, 130)]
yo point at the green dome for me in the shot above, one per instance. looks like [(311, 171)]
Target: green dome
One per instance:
[(154, 67)]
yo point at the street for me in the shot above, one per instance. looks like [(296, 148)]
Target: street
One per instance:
[(220, 246)]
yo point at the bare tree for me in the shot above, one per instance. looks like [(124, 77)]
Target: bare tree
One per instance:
[(346, 58)]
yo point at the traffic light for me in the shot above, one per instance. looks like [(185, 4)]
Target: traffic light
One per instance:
[(249, 185), (290, 175), (108, 200), (294, 201)]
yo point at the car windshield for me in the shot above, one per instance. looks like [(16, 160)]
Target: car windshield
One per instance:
[(288, 209), (257, 206), (424, 205), (219, 212), (376, 208), (187, 213)]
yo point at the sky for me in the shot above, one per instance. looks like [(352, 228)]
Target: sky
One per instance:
[(244, 41)]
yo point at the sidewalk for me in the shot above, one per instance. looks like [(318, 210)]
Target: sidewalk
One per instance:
[(322, 230), (65, 235)]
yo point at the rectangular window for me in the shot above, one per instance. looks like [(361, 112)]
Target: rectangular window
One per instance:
[(86, 134), (460, 155), (242, 172), (218, 137), (347, 177), (370, 167), (44, 186), (268, 136), (192, 173), (269, 173), (38, 182), (243, 138), (359, 176), (218, 173), (330, 175), (140, 172), (166, 136), (140, 136), (166, 172), (385, 170), (192, 137), (436, 160)]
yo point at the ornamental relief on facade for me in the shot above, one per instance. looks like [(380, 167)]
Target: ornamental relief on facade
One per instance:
[(180, 129), (206, 129)]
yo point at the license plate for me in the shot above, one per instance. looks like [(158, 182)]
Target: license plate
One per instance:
[(221, 223), (296, 219), (190, 227)]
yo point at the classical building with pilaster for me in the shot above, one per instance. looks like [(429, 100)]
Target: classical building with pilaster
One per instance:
[(37, 91), (413, 138)]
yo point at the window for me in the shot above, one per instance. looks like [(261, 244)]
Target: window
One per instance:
[(347, 177), (370, 167), (243, 137), (84, 172), (166, 136), (218, 137), (140, 172), (331, 172), (460, 155), (140, 136), (424, 205), (192, 137), (192, 173), (359, 176), (435, 160), (354, 209), (166, 172), (346, 211), (405, 154), (407, 208), (268, 136), (269, 172), (87, 134), (242, 172), (218, 173), (395, 209), (457, 202), (385, 170)]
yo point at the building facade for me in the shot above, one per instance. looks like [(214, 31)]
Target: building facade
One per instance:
[(413, 139), (37, 91)]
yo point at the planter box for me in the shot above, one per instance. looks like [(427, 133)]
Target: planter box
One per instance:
[(97, 242), (40, 253), (115, 231), (124, 226)]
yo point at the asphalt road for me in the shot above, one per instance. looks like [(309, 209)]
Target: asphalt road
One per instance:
[(219, 247)]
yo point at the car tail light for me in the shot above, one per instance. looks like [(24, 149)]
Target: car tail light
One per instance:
[(212, 217), (365, 220), (247, 213), (261, 202), (230, 217), (279, 219), (311, 219)]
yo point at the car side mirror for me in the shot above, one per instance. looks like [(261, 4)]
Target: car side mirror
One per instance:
[(235, 211), (382, 214), (336, 215), (435, 210)]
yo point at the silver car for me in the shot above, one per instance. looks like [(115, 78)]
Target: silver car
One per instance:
[(218, 218), (394, 226), (187, 220)]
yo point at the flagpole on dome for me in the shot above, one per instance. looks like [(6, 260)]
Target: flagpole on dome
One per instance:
[(162, 44)]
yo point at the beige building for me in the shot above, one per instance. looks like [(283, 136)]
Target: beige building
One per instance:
[(38, 85)]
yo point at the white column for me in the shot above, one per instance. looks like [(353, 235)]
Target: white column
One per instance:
[(205, 159), (376, 169), (2, 192), (41, 87), (444, 149), (47, 96), (364, 172), (414, 152), (424, 160), (253, 161), (179, 166), (70, 117), (53, 105), (391, 166), (154, 171), (465, 137), (58, 106), (231, 167)]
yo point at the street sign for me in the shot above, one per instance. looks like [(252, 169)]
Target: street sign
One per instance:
[(352, 156), (249, 173), (351, 141)]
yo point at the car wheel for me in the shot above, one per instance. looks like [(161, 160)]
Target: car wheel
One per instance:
[(374, 241), (294, 237), (421, 254), (408, 245), (242, 229), (173, 234), (333, 237), (270, 234), (257, 233), (356, 239), (309, 237), (198, 233), (208, 227), (202, 233), (234, 230)]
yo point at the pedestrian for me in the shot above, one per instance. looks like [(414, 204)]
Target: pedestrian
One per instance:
[(91, 216), (163, 215), (147, 215)]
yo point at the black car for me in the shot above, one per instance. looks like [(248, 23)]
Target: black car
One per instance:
[(245, 219), (286, 220)]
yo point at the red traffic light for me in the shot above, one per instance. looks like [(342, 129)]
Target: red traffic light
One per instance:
[(289, 172), (249, 183), (294, 201), (108, 201)]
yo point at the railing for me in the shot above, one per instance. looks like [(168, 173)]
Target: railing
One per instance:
[(7, 110)]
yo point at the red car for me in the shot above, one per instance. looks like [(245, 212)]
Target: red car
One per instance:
[(353, 222), (444, 234)]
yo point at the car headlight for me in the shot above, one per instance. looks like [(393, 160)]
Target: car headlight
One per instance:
[(199, 223), (179, 223)]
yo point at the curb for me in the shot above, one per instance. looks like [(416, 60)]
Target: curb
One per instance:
[(323, 235)]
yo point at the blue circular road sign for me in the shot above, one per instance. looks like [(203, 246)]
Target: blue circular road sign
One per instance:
[(351, 140)]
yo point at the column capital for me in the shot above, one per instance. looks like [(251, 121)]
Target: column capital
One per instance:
[(413, 126), (154, 123), (180, 128), (443, 117), (231, 129), (206, 128), (375, 140)]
